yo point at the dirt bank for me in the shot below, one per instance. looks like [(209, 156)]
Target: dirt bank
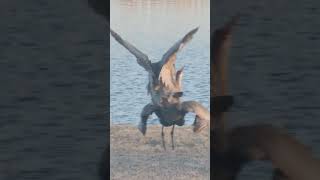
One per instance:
[(136, 157)]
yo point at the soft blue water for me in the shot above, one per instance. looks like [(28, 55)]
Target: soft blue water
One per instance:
[(154, 28)]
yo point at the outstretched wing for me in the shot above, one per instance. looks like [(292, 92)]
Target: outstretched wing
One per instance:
[(221, 44), (202, 119), (142, 59), (146, 112), (167, 72), (178, 45)]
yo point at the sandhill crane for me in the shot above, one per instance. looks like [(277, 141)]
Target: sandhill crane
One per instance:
[(165, 88)]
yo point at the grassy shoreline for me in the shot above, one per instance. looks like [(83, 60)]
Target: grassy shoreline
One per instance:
[(134, 156)]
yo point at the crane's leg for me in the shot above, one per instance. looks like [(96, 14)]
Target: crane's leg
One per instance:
[(162, 135), (172, 131)]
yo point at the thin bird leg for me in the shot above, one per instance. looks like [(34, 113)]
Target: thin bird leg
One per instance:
[(172, 131), (162, 135)]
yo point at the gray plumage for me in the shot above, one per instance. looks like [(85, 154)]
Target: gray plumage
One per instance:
[(165, 88)]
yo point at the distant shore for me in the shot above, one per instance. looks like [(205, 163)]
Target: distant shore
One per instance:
[(133, 156)]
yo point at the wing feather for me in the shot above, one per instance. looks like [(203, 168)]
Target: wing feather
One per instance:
[(142, 58), (202, 119), (167, 73), (178, 46)]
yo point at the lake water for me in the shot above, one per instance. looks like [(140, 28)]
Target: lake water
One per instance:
[(153, 27), (53, 90), (274, 68)]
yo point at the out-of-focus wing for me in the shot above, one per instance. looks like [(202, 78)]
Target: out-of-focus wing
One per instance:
[(221, 45)]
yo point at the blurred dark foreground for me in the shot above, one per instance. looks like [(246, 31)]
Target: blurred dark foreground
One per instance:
[(54, 90)]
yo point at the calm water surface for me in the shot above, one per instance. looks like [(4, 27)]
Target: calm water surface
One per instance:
[(53, 90), (153, 27), (275, 68)]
